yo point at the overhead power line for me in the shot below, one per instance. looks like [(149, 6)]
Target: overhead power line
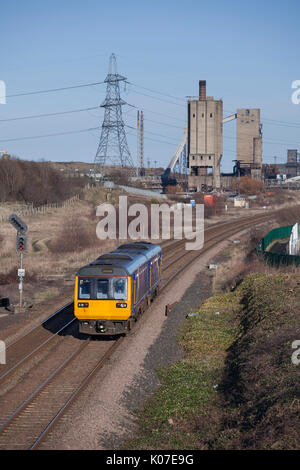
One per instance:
[(91, 84), (163, 123), (159, 99), (49, 135), (33, 116), (52, 90), (155, 91), (274, 122), (152, 133), (153, 140), (156, 112)]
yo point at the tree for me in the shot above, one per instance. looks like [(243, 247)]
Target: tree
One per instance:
[(248, 185)]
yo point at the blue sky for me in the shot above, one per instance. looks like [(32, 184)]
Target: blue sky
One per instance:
[(247, 51)]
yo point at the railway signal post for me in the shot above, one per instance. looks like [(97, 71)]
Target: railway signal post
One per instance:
[(21, 243)]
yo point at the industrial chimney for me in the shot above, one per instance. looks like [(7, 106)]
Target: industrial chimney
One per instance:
[(202, 90)]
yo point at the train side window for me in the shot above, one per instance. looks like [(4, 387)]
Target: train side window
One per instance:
[(85, 288), (102, 289), (154, 271), (143, 281)]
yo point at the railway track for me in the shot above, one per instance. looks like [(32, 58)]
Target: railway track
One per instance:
[(32, 341), (56, 382), (29, 423), (46, 334), (213, 234)]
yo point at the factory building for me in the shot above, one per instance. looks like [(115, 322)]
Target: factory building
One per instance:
[(205, 142), (287, 170), (205, 139), (249, 141), (292, 165)]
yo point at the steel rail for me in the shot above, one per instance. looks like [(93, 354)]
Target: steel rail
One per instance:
[(166, 245), (210, 244), (186, 253), (36, 349), (42, 386), (85, 381), (40, 324), (75, 394)]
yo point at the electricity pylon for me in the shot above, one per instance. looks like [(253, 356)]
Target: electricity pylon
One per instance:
[(113, 147)]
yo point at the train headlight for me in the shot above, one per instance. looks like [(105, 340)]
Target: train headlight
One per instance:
[(83, 304), (121, 305)]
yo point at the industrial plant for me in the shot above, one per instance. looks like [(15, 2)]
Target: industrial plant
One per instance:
[(196, 163), (205, 142)]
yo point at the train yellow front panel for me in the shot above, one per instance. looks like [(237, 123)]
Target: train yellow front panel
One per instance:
[(102, 309)]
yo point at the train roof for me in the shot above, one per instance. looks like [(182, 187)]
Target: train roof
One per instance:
[(125, 260)]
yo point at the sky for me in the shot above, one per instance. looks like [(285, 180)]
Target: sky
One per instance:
[(247, 51)]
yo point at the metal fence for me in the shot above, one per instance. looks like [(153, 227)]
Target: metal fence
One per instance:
[(31, 211), (264, 249)]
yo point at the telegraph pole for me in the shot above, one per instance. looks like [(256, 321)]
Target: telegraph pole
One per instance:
[(140, 143)]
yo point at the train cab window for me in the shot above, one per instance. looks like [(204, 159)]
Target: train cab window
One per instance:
[(120, 289), (102, 291), (84, 289)]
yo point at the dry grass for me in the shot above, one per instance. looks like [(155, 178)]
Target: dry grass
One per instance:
[(236, 388), (240, 260), (260, 384), (58, 244), (75, 234)]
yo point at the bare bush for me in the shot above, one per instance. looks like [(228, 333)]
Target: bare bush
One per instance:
[(75, 235), (170, 189), (120, 176), (11, 277), (248, 185), (288, 216), (35, 182)]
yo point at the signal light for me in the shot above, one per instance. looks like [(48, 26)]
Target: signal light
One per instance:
[(21, 242), (121, 305), (83, 304)]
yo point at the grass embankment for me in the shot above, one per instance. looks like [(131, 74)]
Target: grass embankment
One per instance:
[(236, 387)]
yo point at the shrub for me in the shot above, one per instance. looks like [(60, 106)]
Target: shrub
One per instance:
[(35, 182), (248, 185), (174, 189), (74, 236), (11, 277)]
